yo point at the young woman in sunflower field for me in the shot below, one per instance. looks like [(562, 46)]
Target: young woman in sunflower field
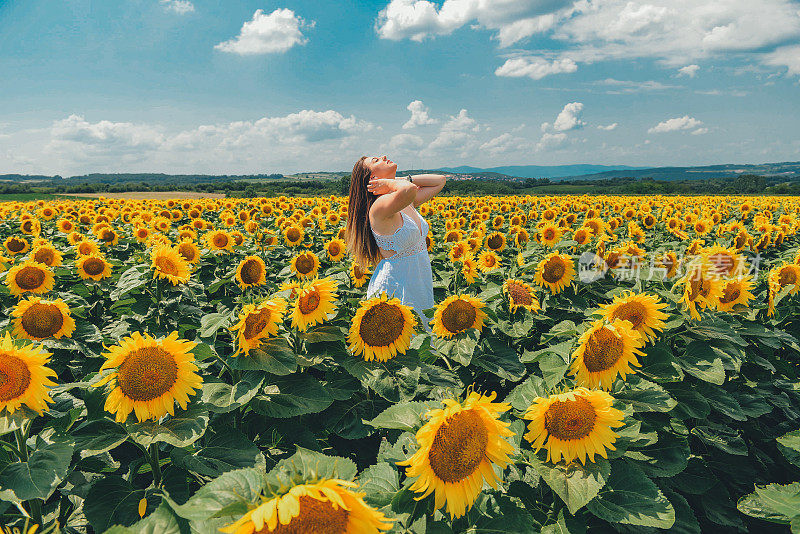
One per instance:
[(385, 228), (221, 366)]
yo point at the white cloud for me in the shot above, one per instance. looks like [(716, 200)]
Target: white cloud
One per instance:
[(264, 34), (673, 125), (785, 56), (608, 128), (106, 135), (551, 140), (419, 115), (569, 118), (629, 86), (700, 131), (689, 70), (513, 19), (405, 142), (505, 143), (535, 68), (181, 7), (458, 133)]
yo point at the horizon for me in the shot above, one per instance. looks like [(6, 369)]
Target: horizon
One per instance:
[(206, 87)]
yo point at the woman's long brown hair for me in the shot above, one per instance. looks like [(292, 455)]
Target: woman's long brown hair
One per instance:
[(361, 243)]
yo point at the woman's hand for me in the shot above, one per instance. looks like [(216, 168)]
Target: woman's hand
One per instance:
[(380, 186)]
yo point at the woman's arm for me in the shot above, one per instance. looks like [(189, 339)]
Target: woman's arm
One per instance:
[(393, 196), (429, 186)]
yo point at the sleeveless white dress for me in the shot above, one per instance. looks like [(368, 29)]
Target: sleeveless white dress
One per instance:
[(407, 273)]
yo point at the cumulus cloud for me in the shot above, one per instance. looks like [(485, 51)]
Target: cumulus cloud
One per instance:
[(181, 7), (700, 131), (535, 68), (457, 133), (504, 144), (512, 19), (608, 127), (785, 56), (419, 115), (569, 118), (401, 142), (677, 124), (689, 70), (265, 34), (551, 140), (106, 135)]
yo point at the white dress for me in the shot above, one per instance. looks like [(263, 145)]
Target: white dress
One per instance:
[(406, 274)]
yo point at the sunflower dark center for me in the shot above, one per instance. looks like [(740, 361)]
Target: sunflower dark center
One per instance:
[(458, 316), (309, 302), (255, 323), (553, 270), (787, 276), (549, 234), (494, 242), (93, 266), (603, 350), (382, 325), (221, 240), (166, 265), (251, 272), (334, 249), (730, 294), (293, 234), (15, 377), (27, 226), (187, 251), (15, 245), (571, 419), (42, 320), (147, 373), (319, 517), (459, 446), (519, 294), (357, 271), (304, 264), (635, 312), (29, 278)]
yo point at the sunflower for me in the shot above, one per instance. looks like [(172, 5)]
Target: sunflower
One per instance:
[(469, 268), (520, 294), (37, 318), (488, 261), (573, 424), (30, 276), (381, 328), (30, 227), (315, 300), (26, 378), (458, 449), (169, 265), (642, 310), (219, 240), (305, 265), (359, 275), (784, 275), (605, 351), (549, 235), (293, 235), (700, 289), (325, 506), (189, 251), (257, 322), (456, 314), (669, 262), (521, 238), (496, 241), (93, 266), (252, 271), (150, 375), (725, 262), (86, 247), (335, 249), (16, 245), (735, 292), (47, 254), (556, 271)]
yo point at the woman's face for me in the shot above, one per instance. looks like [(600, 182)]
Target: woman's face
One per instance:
[(381, 166)]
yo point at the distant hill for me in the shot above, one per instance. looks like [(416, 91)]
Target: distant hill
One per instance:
[(540, 171), (789, 170)]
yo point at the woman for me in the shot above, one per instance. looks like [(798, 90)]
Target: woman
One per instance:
[(384, 227)]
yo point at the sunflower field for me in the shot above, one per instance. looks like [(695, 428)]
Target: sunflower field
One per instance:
[(594, 364)]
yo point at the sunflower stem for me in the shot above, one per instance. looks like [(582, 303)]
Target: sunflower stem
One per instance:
[(154, 464), (22, 448)]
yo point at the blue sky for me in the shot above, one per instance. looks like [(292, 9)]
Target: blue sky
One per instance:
[(202, 86)]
